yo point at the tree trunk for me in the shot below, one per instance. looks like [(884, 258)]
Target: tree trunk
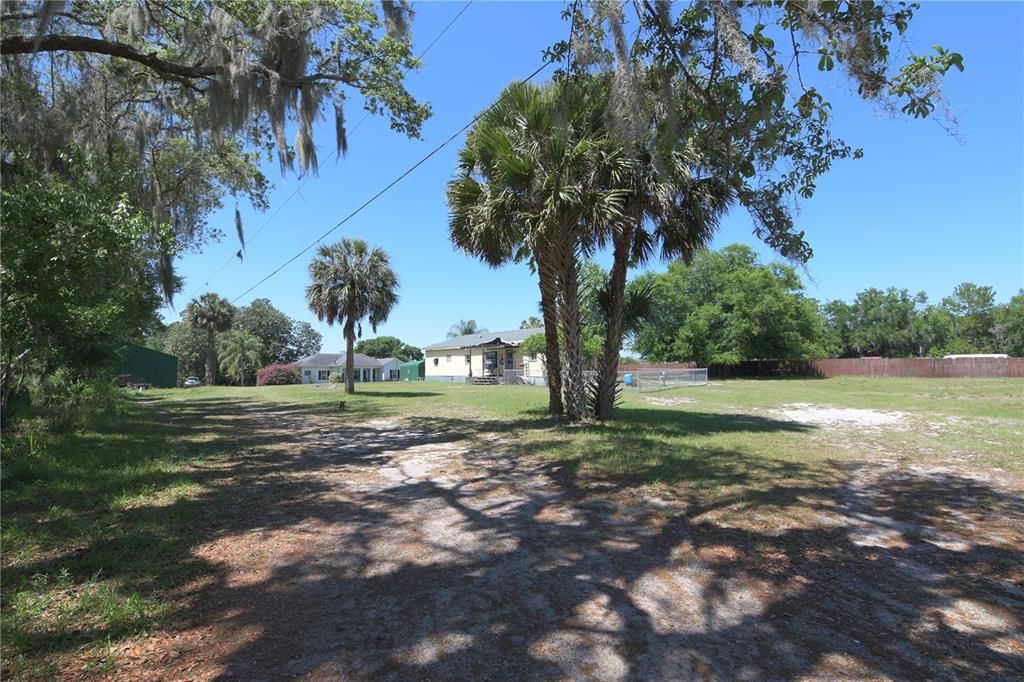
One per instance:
[(10, 381), (211, 358), (350, 361), (549, 310), (609, 366), (569, 312)]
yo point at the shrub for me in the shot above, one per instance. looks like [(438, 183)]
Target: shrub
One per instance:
[(67, 402), (278, 375)]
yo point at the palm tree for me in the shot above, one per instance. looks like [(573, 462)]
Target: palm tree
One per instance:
[(464, 328), (490, 209), (351, 281), (240, 353), (212, 314), (529, 188), (669, 206), (531, 322)]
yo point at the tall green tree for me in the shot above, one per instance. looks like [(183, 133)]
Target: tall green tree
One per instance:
[(77, 281), (972, 307), (728, 307), (306, 341), (894, 323), (350, 282), (282, 339), (706, 108), (932, 329), (189, 95), (389, 347), (1009, 319), (883, 323), (212, 314), (240, 355), (271, 327), (189, 345)]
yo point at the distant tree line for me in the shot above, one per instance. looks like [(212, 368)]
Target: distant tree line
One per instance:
[(893, 323), (727, 307), (247, 339)]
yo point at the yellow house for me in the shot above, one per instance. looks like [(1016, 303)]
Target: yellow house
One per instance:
[(486, 358)]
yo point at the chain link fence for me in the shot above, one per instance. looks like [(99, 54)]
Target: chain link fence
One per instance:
[(519, 377), (663, 380), (644, 382)]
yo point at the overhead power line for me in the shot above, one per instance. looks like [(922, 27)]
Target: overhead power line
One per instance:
[(391, 184), (298, 189)]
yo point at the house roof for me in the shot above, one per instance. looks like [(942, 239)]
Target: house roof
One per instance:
[(320, 360), (513, 337), (338, 360)]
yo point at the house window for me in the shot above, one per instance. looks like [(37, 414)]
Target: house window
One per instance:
[(448, 358), (533, 357), (323, 375), (467, 359), (435, 362)]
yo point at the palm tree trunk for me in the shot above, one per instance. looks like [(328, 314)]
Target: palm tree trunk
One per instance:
[(350, 361), (569, 312), (211, 358), (609, 365), (549, 310)]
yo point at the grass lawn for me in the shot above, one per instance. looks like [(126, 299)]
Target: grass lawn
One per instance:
[(100, 526)]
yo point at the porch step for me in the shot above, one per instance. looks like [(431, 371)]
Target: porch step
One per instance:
[(489, 381)]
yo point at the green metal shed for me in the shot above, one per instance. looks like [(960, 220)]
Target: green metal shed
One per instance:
[(414, 370), (148, 366)]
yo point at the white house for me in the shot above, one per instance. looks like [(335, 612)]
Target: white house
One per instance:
[(318, 369), (487, 357)]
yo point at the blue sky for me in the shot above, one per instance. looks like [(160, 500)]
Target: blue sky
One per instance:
[(922, 210)]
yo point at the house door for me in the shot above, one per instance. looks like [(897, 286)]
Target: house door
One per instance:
[(490, 363)]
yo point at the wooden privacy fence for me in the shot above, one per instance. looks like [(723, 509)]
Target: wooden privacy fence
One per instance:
[(858, 367)]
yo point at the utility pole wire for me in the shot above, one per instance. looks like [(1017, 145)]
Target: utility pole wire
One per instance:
[(387, 187), (302, 184)]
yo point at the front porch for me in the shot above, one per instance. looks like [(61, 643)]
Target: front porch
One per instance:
[(495, 360)]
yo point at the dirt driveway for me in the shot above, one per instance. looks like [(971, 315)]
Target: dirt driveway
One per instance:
[(430, 550)]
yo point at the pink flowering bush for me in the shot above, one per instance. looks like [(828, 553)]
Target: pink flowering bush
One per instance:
[(277, 375)]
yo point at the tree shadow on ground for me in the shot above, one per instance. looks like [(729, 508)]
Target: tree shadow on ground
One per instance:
[(448, 548), (399, 394), (507, 570)]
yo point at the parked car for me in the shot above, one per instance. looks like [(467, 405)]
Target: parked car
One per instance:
[(192, 381)]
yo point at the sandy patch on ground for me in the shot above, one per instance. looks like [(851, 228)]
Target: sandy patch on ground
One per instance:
[(827, 415), (668, 402)]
